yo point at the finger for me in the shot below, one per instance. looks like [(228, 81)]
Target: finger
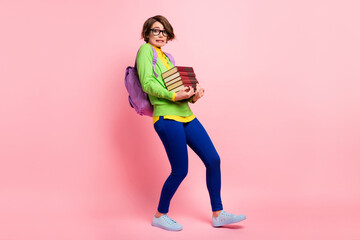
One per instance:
[(200, 94), (191, 93), (185, 89), (191, 90)]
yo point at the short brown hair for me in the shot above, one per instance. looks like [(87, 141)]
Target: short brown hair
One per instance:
[(158, 18)]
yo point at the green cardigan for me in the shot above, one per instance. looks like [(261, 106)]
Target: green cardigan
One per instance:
[(159, 96)]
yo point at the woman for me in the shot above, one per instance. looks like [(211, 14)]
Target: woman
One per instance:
[(177, 126)]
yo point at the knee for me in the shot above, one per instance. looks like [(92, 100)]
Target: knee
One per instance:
[(180, 174), (213, 162)]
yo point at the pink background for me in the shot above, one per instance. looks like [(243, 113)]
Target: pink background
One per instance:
[(282, 105)]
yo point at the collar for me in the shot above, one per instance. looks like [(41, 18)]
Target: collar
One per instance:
[(156, 48)]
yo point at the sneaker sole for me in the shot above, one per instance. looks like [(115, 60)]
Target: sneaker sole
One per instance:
[(228, 223), (162, 227)]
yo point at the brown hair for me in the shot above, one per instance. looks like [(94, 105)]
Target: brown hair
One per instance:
[(158, 18)]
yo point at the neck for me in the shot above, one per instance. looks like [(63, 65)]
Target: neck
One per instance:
[(155, 46)]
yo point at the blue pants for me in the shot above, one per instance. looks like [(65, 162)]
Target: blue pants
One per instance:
[(175, 137)]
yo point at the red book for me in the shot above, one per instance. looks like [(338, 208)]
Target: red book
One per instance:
[(186, 74), (176, 69), (193, 85), (190, 82), (188, 79), (168, 83), (178, 74), (179, 83), (185, 69), (176, 89)]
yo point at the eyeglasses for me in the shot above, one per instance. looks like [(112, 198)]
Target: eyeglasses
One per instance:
[(156, 32)]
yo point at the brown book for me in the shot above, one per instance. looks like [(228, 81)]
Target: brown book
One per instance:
[(182, 82), (185, 83), (178, 74), (178, 78), (182, 86), (176, 69), (178, 88), (175, 85)]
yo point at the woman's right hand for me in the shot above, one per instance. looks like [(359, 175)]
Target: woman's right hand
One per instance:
[(184, 93)]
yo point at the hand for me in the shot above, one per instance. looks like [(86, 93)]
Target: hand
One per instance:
[(184, 93), (198, 94)]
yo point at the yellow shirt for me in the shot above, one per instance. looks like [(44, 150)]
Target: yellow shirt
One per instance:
[(163, 59)]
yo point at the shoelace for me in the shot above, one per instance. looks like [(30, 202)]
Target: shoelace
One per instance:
[(227, 214), (168, 219), (223, 213)]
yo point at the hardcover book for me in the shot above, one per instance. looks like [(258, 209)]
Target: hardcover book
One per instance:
[(178, 74), (176, 69), (179, 77)]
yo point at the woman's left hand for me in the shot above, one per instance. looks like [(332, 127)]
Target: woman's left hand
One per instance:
[(198, 93)]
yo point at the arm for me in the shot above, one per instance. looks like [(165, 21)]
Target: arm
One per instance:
[(147, 78)]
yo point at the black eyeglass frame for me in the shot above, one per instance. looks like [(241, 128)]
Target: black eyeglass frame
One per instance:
[(164, 33)]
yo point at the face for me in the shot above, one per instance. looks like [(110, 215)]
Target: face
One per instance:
[(159, 40)]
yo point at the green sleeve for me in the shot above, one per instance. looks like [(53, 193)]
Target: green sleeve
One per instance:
[(147, 78)]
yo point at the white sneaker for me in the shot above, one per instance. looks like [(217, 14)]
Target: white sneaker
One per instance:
[(165, 222), (225, 218)]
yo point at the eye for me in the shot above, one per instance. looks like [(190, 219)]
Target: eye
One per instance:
[(156, 31)]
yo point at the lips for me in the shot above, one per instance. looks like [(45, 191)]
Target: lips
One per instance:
[(159, 40)]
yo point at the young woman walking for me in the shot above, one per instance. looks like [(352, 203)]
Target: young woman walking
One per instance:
[(177, 127)]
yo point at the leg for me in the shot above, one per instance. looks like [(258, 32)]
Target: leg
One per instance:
[(172, 135), (199, 141)]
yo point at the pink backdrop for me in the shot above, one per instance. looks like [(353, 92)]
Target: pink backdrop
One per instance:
[(282, 105)]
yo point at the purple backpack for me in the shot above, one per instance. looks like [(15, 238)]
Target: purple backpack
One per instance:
[(138, 99)]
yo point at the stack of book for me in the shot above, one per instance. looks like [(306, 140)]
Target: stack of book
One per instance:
[(179, 77)]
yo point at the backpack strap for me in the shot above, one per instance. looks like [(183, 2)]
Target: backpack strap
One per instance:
[(154, 60), (135, 59), (172, 60)]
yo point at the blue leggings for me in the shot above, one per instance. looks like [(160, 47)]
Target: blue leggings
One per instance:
[(175, 137)]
